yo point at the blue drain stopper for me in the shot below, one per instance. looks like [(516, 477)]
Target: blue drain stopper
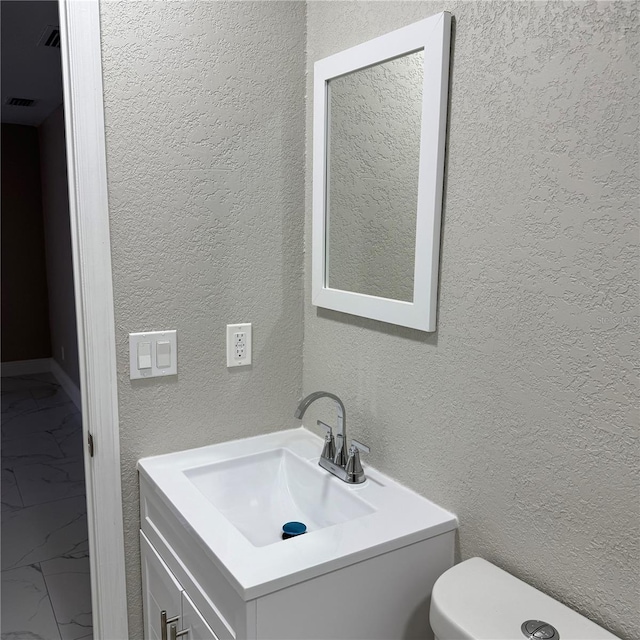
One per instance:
[(292, 529)]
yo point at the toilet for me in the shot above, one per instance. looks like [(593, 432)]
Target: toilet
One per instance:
[(475, 600)]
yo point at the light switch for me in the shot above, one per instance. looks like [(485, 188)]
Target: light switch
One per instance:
[(153, 354), (144, 355), (163, 354)]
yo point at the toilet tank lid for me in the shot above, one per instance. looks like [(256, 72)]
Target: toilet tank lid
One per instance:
[(475, 600)]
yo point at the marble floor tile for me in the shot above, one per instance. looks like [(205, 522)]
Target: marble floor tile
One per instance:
[(29, 381), (15, 403), (37, 420), (68, 435), (48, 481), (43, 532), (44, 386), (50, 396), (69, 584), (11, 498), (27, 613), (37, 447), (44, 521), (9, 396)]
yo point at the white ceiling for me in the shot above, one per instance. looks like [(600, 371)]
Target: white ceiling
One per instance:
[(29, 70)]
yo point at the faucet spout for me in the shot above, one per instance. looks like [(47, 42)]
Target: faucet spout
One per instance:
[(341, 437)]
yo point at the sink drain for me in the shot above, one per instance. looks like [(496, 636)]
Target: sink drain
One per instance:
[(293, 529)]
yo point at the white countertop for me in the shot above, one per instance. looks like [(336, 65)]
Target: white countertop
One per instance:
[(401, 517)]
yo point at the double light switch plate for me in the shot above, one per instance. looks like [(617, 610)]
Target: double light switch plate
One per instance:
[(153, 354)]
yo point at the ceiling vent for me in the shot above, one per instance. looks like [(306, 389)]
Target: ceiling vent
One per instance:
[(50, 37), (20, 102)]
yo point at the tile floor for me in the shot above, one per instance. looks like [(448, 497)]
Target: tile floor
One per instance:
[(46, 592)]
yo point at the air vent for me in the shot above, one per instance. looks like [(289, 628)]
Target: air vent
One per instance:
[(50, 37), (20, 102)]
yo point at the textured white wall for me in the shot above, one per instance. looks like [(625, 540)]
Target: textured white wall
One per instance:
[(520, 413), (204, 105)]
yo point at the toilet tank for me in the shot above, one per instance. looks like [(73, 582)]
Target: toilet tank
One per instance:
[(476, 600)]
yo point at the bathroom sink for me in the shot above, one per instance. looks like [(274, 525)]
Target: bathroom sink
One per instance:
[(231, 500), (260, 492)]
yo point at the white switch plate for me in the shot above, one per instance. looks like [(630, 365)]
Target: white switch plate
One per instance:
[(238, 344), (153, 337)]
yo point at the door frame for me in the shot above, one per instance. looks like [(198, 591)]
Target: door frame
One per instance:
[(91, 246)]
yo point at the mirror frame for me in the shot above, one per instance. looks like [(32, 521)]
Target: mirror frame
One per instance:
[(433, 35)]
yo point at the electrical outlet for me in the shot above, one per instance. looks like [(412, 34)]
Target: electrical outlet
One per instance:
[(238, 344)]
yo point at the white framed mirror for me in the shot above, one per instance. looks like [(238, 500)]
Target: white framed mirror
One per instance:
[(380, 113)]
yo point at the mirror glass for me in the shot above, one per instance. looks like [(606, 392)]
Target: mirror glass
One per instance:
[(373, 147), (379, 131)]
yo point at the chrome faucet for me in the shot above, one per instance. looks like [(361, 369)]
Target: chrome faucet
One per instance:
[(340, 457), (335, 458)]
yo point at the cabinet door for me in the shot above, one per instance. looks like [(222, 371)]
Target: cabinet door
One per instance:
[(193, 621), (160, 592)]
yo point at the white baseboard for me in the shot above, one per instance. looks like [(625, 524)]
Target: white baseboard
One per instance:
[(25, 367), (70, 387)]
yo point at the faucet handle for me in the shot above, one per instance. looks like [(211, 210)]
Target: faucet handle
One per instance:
[(358, 445), (353, 469), (329, 449), (326, 427)]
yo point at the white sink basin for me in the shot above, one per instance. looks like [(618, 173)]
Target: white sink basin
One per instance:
[(260, 492), (233, 498)]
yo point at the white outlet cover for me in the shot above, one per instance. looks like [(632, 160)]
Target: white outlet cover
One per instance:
[(153, 337), (232, 331)]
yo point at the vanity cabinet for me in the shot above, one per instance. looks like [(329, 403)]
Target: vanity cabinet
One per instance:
[(192, 619), (381, 598), (213, 556), (162, 593)]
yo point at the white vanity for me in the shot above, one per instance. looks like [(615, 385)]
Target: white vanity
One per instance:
[(214, 560)]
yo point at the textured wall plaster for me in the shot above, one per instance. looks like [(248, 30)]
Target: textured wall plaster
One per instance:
[(520, 413), (374, 150), (204, 105)]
